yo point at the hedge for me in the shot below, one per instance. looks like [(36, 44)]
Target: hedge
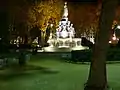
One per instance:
[(85, 55)]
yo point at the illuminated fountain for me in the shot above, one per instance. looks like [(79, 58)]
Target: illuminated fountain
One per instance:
[(115, 39), (64, 38)]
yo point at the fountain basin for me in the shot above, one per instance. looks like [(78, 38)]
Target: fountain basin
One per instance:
[(64, 45)]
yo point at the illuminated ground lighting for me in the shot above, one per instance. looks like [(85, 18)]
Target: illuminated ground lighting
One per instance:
[(54, 49), (80, 48), (40, 50), (49, 49), (64, 47)]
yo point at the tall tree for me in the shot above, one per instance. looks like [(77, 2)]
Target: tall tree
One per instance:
[(97, 79), (44, 12)]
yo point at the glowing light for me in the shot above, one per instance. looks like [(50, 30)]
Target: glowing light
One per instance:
[(49, 49), (110, 42), (40, 50), (51, 25), (118, 27), (64, 34), (65, 3), (114, 38), (38, 45), (65, 10), (80, 48), (63, 46)]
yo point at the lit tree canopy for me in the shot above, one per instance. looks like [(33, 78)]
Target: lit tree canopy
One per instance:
[(45, 12), (25, 15)]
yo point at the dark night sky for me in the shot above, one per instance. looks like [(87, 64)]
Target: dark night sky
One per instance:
[(82, 0)]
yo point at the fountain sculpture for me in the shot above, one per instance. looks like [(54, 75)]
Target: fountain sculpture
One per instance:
[(64, 40)]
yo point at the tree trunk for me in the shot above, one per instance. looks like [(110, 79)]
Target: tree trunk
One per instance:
[(97, 79), (47, 34), (39, 38), (25, 39)]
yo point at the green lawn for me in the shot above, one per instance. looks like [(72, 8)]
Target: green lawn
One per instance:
[(53, 74)]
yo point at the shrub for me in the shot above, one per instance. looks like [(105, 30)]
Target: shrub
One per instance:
[(85, 55), (81, 55)]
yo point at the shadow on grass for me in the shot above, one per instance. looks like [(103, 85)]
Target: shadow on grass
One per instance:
[(74, 62), (25, 71)]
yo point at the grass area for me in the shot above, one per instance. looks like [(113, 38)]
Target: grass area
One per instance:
[(45, 73)]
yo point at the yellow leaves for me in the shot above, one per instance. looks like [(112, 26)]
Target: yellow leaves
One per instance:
[(42, 12)]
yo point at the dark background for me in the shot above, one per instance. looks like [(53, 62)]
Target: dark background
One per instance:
[(81, 0)]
